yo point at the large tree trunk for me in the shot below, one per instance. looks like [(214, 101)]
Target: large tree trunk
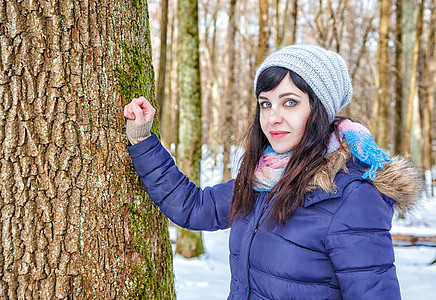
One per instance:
[(75, 220), (188, 77)]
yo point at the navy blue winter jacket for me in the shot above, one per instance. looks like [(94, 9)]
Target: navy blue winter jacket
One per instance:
[(337, 246)]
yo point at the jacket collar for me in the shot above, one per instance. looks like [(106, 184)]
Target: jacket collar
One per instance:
[(399, 181)]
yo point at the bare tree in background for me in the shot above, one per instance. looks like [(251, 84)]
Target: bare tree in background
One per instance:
[(264, 32), (427, 89), (287, 33), (170, 114), (189, 243), (212, 92), (380, 111), (228, 103), (398, 80), (160, 87), (413, 78)]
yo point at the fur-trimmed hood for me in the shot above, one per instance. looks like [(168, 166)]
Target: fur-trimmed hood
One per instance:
[(399, 179)]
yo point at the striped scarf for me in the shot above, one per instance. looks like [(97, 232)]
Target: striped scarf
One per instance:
[(271, 165)]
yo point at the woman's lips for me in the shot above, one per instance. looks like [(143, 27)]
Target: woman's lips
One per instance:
[(278, 134)]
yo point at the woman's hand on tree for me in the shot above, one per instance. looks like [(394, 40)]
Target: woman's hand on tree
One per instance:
[(139, 110), (139, 114)]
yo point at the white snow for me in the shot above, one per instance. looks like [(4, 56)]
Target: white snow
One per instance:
[(208, 277)]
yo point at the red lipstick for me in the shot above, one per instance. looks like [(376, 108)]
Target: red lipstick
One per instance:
[(278, 134)]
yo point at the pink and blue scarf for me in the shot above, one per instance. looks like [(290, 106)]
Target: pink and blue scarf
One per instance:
[(272, 164)]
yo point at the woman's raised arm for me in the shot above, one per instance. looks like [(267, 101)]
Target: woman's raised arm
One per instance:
[(179, 199)]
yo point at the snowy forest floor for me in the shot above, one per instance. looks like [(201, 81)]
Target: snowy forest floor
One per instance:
[(208, 277)]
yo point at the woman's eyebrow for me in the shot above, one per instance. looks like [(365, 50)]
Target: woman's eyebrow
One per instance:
[(280, 96), (288, 94)]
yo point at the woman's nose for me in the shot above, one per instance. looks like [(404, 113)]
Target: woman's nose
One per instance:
[(275, 116)]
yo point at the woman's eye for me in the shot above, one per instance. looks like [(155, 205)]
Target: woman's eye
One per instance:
[(290, 103), (265, 104)]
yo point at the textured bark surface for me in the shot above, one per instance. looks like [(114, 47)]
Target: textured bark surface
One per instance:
[(188, 77), (74, 220)]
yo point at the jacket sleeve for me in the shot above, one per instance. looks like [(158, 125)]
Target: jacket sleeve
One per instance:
[(179, 199), (360, 246)]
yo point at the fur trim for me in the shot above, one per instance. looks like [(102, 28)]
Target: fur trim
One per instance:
[(399, 179), (324, 178)]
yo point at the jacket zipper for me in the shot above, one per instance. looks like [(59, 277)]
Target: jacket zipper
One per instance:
[(251, 242)]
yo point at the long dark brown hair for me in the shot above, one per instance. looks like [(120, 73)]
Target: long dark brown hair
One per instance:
[(306, 160)]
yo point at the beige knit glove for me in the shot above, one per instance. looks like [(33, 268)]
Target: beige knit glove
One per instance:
[(138, 132)]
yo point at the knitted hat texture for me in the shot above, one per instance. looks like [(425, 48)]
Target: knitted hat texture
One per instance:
[(323, 70)]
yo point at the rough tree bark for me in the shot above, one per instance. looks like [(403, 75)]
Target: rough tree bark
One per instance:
[(189, 243), (75, 221)]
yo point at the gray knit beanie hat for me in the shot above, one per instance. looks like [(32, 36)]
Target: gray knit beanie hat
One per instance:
[(323, 70)]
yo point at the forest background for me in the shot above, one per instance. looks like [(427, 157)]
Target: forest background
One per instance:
[(389, 47)]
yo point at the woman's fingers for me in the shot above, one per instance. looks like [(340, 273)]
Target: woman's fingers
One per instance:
[(147, 109), (128, 112), (139, 110)]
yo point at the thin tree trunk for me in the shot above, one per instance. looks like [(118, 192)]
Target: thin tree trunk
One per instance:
[(169, 109), (398, 94), (382, 75), (279, 31), (216, 93), (189, 83), (412, 86), (75, 221), (230, 98), (431, 78), (160, 89), (427, 98), (356, 64), (262, 48), (290, 23)]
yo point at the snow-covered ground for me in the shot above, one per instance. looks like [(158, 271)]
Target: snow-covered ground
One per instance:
[(208, 277)]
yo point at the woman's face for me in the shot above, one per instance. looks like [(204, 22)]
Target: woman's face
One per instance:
[(283, 115)]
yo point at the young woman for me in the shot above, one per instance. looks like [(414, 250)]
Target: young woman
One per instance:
[(311, 208)]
